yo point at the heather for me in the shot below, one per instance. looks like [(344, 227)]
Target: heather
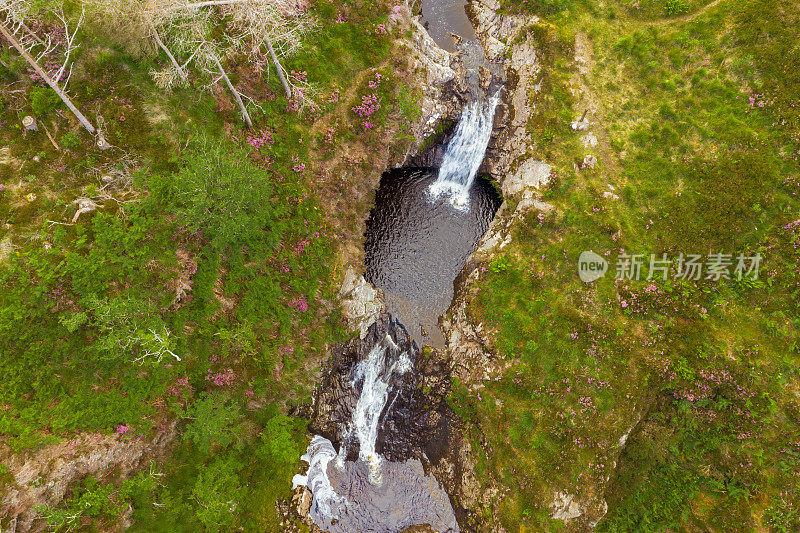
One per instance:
[(678, 391), (197, 295)]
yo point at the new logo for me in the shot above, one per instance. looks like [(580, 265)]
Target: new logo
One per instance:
[(591, 266)]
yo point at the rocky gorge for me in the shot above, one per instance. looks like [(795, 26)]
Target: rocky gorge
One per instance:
[(430, 430)]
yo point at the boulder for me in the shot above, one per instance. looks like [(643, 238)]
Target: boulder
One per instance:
[(362, 303), (531, 174)]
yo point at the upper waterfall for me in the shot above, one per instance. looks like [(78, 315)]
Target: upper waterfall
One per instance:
[(465, 151)]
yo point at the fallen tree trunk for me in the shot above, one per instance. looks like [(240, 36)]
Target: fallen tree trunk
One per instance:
[(278, 67), (238, 98), (53, 85), (175, 64)]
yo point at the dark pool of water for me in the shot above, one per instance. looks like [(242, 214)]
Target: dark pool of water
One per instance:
[(416, 245), (443, 17)]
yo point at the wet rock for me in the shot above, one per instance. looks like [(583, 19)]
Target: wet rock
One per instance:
[(425, 456), (511, 142), (337, 395), (490, 24), (436, 65), (450, 81)]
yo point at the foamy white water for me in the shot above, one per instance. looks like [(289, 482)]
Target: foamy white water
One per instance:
[(464, 153), (374, 373), (327, 504)]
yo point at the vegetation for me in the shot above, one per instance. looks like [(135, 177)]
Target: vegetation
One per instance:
[(684, 385), (181, 284), (193, 294)]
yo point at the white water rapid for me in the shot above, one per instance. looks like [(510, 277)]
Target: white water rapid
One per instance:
[(349, 496), (327, 504), (465, 151), (374, 373)]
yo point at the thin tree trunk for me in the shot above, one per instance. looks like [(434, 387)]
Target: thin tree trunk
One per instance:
[(53, 85), (175, 64), (234, 91), (196, 5), (278, 67), (32, 34)]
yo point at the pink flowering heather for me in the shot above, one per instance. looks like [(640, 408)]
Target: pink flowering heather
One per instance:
[(300, 303), (300, 247), (264, 138), (221, 379), (299, 76), (376, 82)]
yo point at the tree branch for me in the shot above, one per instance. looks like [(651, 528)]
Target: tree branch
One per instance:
[(181, 72), (69, 46), (53, 85), (233, 90), (278, 67)]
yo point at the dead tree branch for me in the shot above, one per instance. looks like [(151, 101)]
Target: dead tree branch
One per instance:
[(178, 68), (278, 67), (41, 72), (238, 98)]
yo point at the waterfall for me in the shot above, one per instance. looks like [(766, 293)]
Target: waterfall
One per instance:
[(328, 504), (464, 153), (374, 373)]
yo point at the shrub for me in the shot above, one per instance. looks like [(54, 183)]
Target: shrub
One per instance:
[(217, 423), (43, 100), (500, 264), (217, 492), (282, 442), (70, 140), (219, 193)]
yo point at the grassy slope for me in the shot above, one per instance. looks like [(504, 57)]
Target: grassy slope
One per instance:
[(205, 204), (706, 371)]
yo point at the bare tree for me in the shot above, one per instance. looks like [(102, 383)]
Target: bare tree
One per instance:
[(277, 24), (183, 29), (13, 14)]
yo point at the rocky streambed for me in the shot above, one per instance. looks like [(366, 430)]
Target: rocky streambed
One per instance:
[(426, 457)]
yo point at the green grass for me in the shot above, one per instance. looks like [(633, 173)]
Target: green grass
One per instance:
[(699, 168), (90, 325)]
